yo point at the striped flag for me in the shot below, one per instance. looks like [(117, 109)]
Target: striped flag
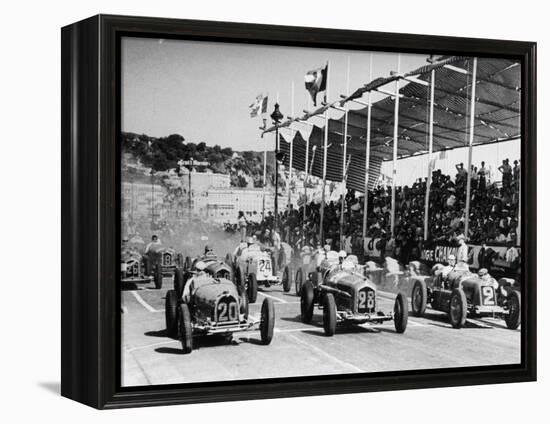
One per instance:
[(259, 107), (316, 81)]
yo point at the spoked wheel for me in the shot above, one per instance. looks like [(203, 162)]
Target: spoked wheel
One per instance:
[(267, 322), (185, 330), (513, 319), (170, 313), (419, 298), (286, 279), (299, 280), (252, 289), (400, 313), (458, 308), (306, 303), (329, 314)]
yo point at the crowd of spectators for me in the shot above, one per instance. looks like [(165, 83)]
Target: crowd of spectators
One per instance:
[(493, 215)]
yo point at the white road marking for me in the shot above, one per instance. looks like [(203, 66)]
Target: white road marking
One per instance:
[(143, 302), (327, 355), (132, 349), (276, 299)]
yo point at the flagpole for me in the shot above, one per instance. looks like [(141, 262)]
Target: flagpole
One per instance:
[(395, 135), (367, 157), (264, 179), (306, 181), (470, 147), (291, 148), (325, 154), (344, 166), (430, 150)]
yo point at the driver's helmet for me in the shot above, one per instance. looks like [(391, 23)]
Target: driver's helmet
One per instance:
[(200, 266), (249, 241), (452, 260), (342, 255), (208, 250)]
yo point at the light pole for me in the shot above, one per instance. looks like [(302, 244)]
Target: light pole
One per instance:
[(276, 116), (190, 163)]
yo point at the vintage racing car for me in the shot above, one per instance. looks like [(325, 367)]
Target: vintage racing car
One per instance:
[(253, 266), (132, 269), (340, 289), (210, 305), (212, 265), (161, 261), (461, 293)]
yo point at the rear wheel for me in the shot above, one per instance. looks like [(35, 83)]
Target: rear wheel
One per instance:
[(329, 314), (513, 319), (179, 282), (458, 308), (419, 297), (244, 305), (170, 313), (306, 303), (298, 280), (252, 290), (188, 263), (185, 331), (286, 279), (400, 313), (267, 322), (158, 277)]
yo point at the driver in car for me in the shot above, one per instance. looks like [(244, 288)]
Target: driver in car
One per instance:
[(200, 267)]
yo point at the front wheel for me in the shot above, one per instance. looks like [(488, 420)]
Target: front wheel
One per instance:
[(286, 279), (244, 305), (400, 313), (513, 318), (158, 277), (170, 311), (306, 303), (252, 289), (179, 282), (419, 298), (188, 263), (458, 308), (267, 323), (185, 330), (298, 281), (329, 314)]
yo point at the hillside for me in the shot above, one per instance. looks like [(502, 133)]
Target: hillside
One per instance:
[(163, 153)]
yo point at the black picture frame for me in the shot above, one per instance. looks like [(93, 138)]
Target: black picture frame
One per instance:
[(91, 211)]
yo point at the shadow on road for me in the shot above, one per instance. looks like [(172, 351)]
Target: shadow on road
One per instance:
[(156, 333), (51, 386)]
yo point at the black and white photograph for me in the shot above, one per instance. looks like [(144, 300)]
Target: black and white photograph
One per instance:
[(295, 211)]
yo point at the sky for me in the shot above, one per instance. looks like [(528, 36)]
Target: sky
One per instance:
[(202, 90)]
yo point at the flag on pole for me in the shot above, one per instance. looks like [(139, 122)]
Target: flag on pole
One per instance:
[(259, 107), (316, 81)]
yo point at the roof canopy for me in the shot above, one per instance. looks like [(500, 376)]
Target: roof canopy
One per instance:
[(497, 110)]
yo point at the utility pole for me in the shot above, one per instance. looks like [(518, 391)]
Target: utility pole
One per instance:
[(191, 163)]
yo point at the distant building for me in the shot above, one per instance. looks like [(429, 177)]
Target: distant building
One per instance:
[(142, 201)]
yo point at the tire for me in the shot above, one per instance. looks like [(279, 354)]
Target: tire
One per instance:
[(170, 313), (179, 282), (286, 279), (299, 280), (244, 305), (179, 260), (252, 290), (329, 314), (400, 313), (158, 277), (458, 308), (147, 265), (306, 303), (267, 322), (282, 258), (229, 260), (188, 263), (419, 296), (185, 330), (513, 318)]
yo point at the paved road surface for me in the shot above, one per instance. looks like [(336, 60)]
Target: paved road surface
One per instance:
[(150, 357)]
